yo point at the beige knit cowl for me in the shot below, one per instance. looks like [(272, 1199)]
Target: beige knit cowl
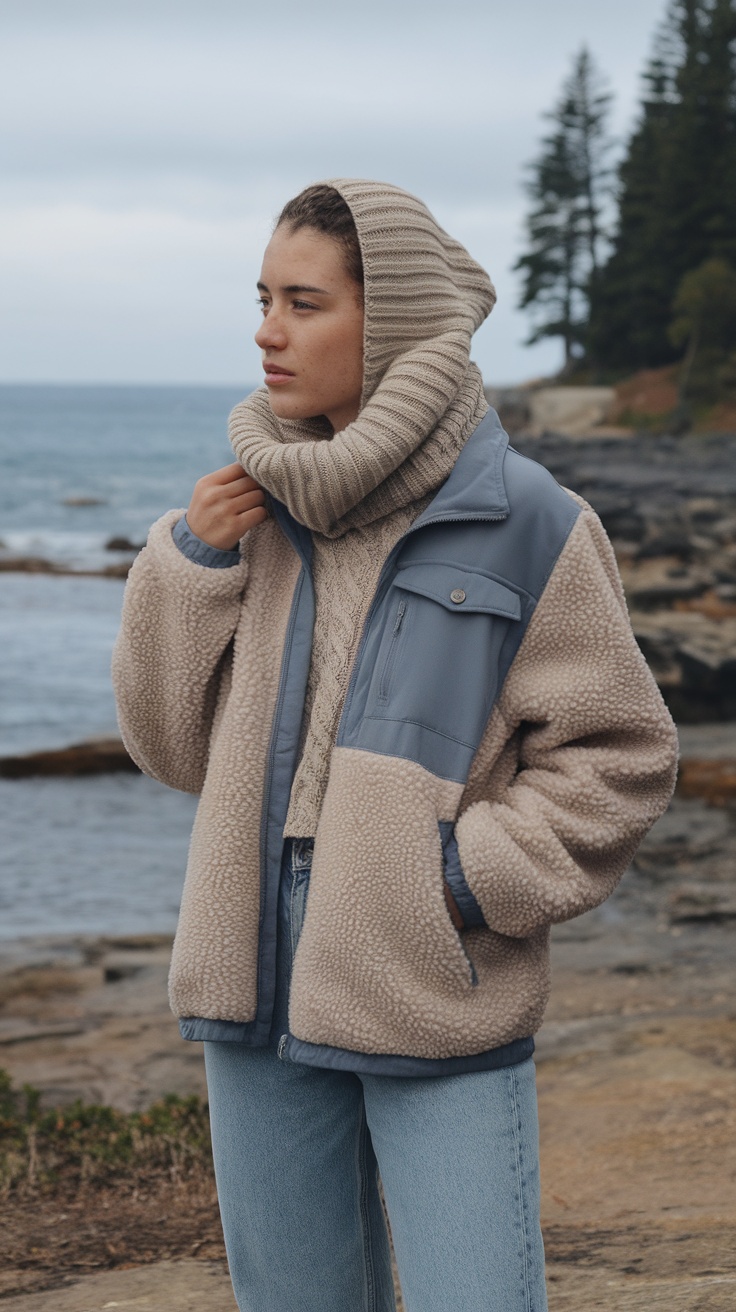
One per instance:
[(359, 490)]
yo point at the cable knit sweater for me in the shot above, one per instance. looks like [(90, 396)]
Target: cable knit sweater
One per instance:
[(345, 569)]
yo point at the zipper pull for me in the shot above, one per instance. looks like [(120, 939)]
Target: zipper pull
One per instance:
[(282, 1045), (399, 616)]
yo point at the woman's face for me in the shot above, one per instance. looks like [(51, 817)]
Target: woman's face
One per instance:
[(312, 331)]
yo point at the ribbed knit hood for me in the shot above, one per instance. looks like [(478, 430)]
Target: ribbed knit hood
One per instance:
[(424, 298)]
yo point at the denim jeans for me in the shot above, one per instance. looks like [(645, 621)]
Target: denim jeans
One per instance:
[(297, 1154)]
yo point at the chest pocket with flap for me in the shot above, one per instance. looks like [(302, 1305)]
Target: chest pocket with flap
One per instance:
[(438, 661)]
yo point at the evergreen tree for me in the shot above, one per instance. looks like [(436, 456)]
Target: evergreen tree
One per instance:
[(705, 323), (677, 184), (567, 187)]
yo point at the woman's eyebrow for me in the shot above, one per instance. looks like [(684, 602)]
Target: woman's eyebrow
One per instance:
[(296, 287)]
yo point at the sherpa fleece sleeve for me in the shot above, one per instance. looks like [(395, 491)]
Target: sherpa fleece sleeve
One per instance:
[(597, 752), (172, 649)]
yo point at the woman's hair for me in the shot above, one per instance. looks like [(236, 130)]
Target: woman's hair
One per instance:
[(323, 208)]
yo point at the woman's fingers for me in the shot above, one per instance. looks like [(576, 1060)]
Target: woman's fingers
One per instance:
[(228, 474), (246, 500), (225, 505), (250, 518)]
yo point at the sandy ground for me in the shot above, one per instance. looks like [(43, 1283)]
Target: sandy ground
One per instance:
[(637, 1087)]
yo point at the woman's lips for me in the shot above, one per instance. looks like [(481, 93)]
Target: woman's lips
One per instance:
[(274, 375)]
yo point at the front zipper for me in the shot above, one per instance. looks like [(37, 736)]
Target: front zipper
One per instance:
[(388, 664)]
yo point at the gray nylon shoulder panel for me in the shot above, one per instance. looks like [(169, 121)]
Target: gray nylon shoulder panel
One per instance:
[(452, 607)]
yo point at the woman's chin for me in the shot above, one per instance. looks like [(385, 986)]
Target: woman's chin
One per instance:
[(285, 407), (289, 408)]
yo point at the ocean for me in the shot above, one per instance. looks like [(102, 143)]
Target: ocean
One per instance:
[(79, 467)]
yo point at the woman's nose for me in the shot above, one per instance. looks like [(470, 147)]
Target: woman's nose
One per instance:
[(271, 332)]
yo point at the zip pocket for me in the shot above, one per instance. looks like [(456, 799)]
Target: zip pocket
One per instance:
[(388, 664)]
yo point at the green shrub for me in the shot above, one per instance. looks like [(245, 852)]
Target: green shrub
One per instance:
[(87, 1143)]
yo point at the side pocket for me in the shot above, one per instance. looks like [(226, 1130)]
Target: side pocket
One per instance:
[(457, 884), (455, 878)]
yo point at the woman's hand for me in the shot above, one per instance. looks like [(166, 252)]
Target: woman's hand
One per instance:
[(224, 505)]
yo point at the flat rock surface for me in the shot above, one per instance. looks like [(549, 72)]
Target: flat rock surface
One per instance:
[(186, 1286)]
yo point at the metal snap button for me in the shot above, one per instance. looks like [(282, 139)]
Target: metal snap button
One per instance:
[(457, 595)]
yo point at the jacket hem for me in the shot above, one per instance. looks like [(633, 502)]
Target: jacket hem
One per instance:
[(197, 1029), (379, 1063), (200, 1029)]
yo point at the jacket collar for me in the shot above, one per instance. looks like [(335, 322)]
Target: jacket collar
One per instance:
[(475, 487)]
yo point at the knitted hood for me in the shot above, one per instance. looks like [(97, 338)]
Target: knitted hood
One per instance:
[(424, 298)]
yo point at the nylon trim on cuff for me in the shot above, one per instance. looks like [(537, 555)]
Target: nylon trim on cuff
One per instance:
[(201, 552)]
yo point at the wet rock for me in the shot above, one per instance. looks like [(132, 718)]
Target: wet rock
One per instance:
[(28, 565), (651, 584), (98, 756), (38, 565), (83, 500), (122, 544), (619, 517), (686, 831), (694, 661), (673, 541), (694, 902), (714, 781)]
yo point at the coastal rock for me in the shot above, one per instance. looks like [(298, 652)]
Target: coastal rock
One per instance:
[(698, 903), (97, 756), (652, 584), (83, 500), (28, 565), (572, 412), (123, 544), (693, 660), (714, 781), (38, 565), (687, 831)]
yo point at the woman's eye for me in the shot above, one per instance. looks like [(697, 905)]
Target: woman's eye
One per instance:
[(262, 303), (303, 305)]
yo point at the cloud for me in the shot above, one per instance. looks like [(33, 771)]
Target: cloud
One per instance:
[(154, 142)]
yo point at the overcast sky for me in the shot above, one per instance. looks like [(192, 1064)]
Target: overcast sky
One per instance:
[(151, 145)]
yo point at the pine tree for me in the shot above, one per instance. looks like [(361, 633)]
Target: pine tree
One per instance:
[(677, 197), (705, 324), (565, 227)]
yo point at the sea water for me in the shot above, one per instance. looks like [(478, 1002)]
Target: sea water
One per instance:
[(80, 466)]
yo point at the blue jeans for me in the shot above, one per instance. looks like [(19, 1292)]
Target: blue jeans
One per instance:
[(297, 1153)]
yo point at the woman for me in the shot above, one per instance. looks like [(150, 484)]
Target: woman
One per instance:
[(394, 658)]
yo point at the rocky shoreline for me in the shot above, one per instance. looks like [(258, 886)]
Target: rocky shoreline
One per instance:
[(669, 507)]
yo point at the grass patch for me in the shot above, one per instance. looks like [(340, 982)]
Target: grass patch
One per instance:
[(89, 1144)]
